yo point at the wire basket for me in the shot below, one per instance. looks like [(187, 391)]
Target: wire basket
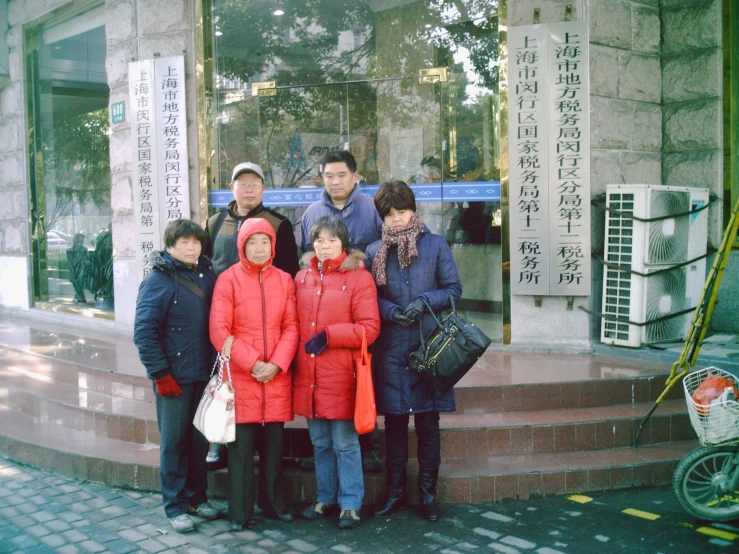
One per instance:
[(718, 422)]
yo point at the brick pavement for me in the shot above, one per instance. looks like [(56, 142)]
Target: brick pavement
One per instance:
[(41, 512)]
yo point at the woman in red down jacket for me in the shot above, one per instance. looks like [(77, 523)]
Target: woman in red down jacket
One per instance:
[(337, 297), (254, 303)]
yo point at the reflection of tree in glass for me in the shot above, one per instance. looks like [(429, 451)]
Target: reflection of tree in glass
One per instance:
[(320, 42), (99, 277), (77, 165)]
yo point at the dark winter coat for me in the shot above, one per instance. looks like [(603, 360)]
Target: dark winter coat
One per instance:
[(171, 325), (339, 300), (256, 304), (358, 214), (399, 390), (223, 251)]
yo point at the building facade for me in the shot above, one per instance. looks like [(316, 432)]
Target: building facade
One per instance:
[(417, 90)]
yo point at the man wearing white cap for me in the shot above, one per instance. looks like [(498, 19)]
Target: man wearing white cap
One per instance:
[(247, 185)]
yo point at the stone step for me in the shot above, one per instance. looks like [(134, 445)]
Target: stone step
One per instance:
[(464, 434), (125, 464), (477, 393)]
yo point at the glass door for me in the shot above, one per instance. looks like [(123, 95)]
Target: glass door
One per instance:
[(70, 164), (340, 74)]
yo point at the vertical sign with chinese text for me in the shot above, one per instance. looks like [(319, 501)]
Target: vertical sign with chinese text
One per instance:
[(569, 155), (171, 129), (159, 146), (528, 155), (549, 173), (144, 170)]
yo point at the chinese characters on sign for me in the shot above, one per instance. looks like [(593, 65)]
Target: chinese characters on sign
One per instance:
[(529, 187), (159, 140), (549, 134), (145, 196)]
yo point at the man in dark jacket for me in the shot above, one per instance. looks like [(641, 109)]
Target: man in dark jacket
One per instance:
[(247, 185), (342, 198), (171, 334)]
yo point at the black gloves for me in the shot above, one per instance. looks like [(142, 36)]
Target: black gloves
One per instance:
[(414, 310), (401, 319)]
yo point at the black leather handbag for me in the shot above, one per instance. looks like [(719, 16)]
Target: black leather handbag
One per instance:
[(449, 351)]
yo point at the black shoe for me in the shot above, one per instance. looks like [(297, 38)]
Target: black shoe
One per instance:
[(217, 458), (431, 511), (349, 519), (395, 499), (236, 526), (285, 517), (318, 510), (427, 479)]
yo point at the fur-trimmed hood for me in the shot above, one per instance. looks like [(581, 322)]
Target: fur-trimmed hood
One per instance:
[(351, 261)]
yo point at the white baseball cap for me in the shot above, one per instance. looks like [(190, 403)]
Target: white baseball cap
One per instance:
[(247, 167)]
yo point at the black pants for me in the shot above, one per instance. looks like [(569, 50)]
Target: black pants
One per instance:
[(241, 470), (370, 442), (182, 450), (429, 440)]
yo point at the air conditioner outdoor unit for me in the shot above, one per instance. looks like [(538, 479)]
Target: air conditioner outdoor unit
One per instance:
[(653, 247)]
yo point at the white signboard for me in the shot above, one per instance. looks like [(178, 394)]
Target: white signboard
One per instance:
[(549, 141), (145, 178), (569, 158), (159, 143), (528, 155)]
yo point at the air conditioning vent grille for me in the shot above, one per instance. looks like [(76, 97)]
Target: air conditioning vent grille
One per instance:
[(617, 302), (666, 295), (620, 230), (668, 238)]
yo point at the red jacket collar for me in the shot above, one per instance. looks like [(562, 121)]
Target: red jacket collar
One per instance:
[(329, 266)]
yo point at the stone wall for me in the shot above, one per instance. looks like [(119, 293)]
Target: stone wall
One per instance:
[(626, 141), (135, 30), (139, 30), (692, 72), (692, 89)]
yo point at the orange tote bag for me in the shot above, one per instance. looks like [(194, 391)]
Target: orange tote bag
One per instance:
[(365, 411)]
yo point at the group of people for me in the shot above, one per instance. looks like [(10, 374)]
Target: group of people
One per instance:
[(291, 336)]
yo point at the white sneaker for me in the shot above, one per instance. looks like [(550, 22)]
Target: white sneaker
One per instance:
[(183, 523)]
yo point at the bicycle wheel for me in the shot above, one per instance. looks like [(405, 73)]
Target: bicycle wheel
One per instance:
[(702, 483)]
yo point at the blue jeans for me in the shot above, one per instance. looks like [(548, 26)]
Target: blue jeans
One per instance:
[(339, 477)]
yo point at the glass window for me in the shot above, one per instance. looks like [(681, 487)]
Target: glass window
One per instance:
[(346, 76), (70, 170)]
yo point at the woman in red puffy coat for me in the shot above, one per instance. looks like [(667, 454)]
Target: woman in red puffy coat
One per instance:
[(254, 303), (337, 297)]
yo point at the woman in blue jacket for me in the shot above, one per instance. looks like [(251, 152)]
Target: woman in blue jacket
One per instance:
[(408, 264), (171, 334)]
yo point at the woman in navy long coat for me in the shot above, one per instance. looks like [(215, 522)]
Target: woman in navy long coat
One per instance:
[(408, 264)]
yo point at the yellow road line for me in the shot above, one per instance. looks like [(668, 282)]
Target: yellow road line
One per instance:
[(717, 533), (638, 513), (579, 498)]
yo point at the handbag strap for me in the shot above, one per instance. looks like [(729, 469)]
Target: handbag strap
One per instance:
[(220, 362), (227, 363), (193, 288), (364, 353), (433, 314)]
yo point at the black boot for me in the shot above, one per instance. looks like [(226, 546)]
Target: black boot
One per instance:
[(395, 498), (427, 479)]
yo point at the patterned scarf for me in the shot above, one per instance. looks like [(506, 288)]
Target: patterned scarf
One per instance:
[(405, 239)]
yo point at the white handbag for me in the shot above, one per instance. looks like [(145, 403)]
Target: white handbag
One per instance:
[(215, 417)]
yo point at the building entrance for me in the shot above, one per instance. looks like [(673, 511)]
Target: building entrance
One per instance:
[(410, 88)]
